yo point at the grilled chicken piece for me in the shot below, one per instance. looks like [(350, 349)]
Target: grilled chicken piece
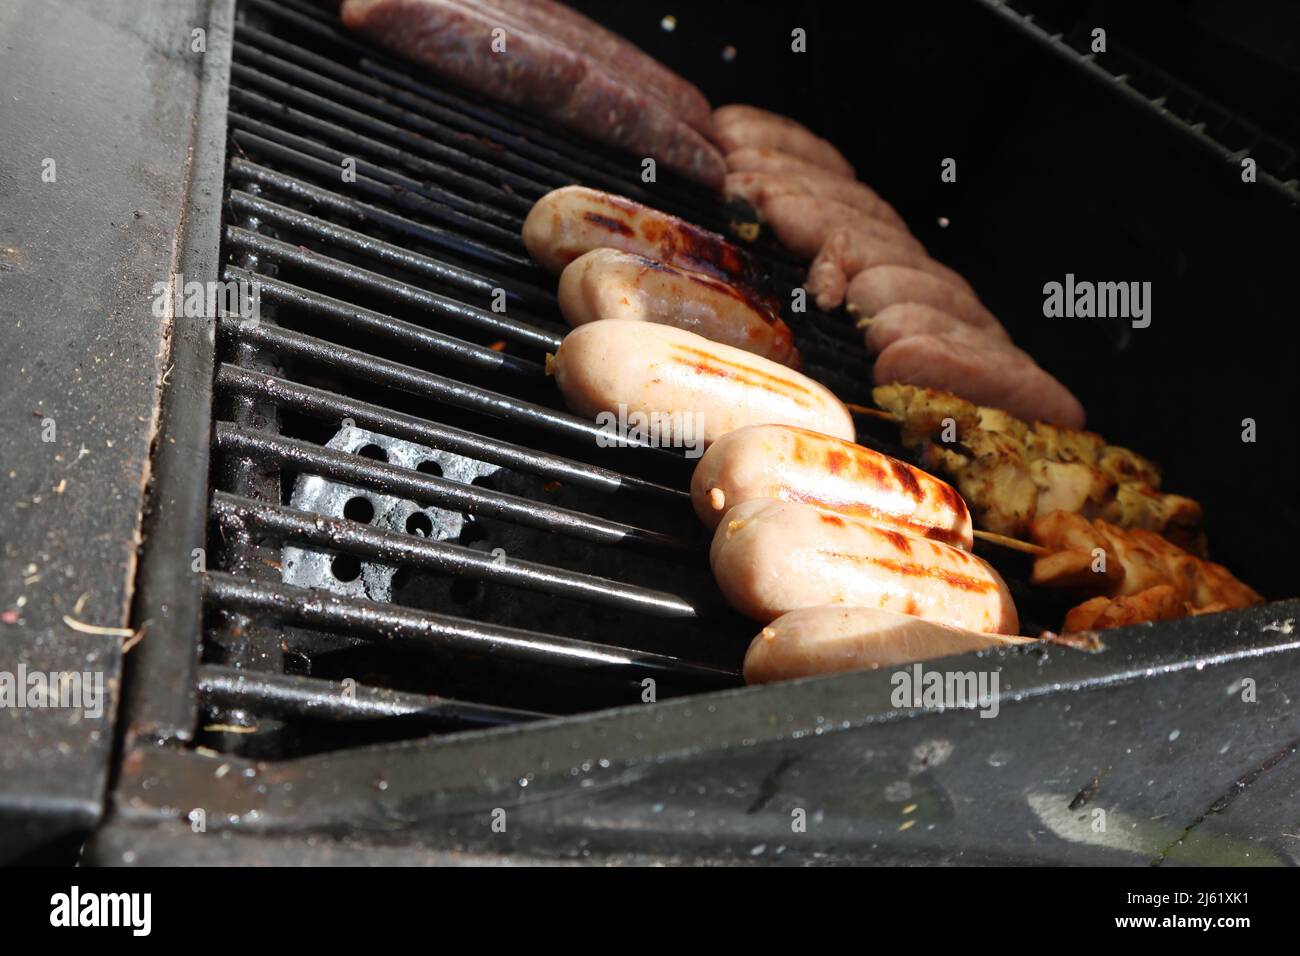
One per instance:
[(1124, 465), (1153, 573), (1064, 444), (922, 411), (1141, 506), (992, 478), (1216, 585), (1068, 486), (1121, 486), (1077, 571), (1160, 603)]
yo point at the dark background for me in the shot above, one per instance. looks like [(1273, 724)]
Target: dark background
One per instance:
[(1058, 171)]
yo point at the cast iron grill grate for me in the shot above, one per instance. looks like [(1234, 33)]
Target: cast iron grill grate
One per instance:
[(563, 576)]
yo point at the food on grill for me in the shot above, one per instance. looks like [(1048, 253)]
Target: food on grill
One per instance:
[(1159, 603), (873, 290), (803, 223), (756, 187), (794, 464), (770, 557), (573, 220), (906, 319), (836, 638), (847, 251), (569, 27), (983, 369), (673, 376), (1140, 575), (736, 127), (539, 72), (609, 284), (1009, 471)]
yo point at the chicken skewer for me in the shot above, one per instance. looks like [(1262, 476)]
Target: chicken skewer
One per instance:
[(1010, 471)]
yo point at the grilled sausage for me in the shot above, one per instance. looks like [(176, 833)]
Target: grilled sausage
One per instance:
[(572, 220), (770, 557), (793, 464), (609, 284), (803, 224), (539, 75), (873, 290), (663, 372), (756, 187), (912, 318), (734, 131), (834, 639), (986, 373), (567, 26), (848, 250)]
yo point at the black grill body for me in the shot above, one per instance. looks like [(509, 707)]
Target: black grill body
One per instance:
[(564, 663)]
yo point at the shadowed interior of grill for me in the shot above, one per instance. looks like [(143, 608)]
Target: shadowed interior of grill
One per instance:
[(577, 572)]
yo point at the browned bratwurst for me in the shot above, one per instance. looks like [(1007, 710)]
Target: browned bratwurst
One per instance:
[(572, 220), (611, 284), (537, 74), (567, 26)]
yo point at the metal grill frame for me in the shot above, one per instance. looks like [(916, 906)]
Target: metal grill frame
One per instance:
[(726, 765)]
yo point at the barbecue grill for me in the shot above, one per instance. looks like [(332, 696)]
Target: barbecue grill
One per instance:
[(401, 605)]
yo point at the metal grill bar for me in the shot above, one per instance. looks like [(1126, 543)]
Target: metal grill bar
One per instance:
[(453, 168), (334, 270), (291, 696), (251, 136), (262, 178), (387, 327), (426, 384), (327, 405), (340, 534), (538, 175), (619, 171), (277, 216), (441, 632), (441, 492)]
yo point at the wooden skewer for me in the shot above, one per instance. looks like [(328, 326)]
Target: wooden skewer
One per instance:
[(873, 412), (1013, 638), (1015, 544)]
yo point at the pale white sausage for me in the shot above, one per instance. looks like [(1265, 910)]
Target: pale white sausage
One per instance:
[(657, 370), (770, 557), (830, 640), (794, 464)]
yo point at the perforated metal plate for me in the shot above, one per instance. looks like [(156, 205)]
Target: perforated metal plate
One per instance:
[(370, 579)]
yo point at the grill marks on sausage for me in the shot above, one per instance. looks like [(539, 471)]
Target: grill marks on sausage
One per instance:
[(705, 363), (608, 222), (913, 569), (858, 509), (677, 240)]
